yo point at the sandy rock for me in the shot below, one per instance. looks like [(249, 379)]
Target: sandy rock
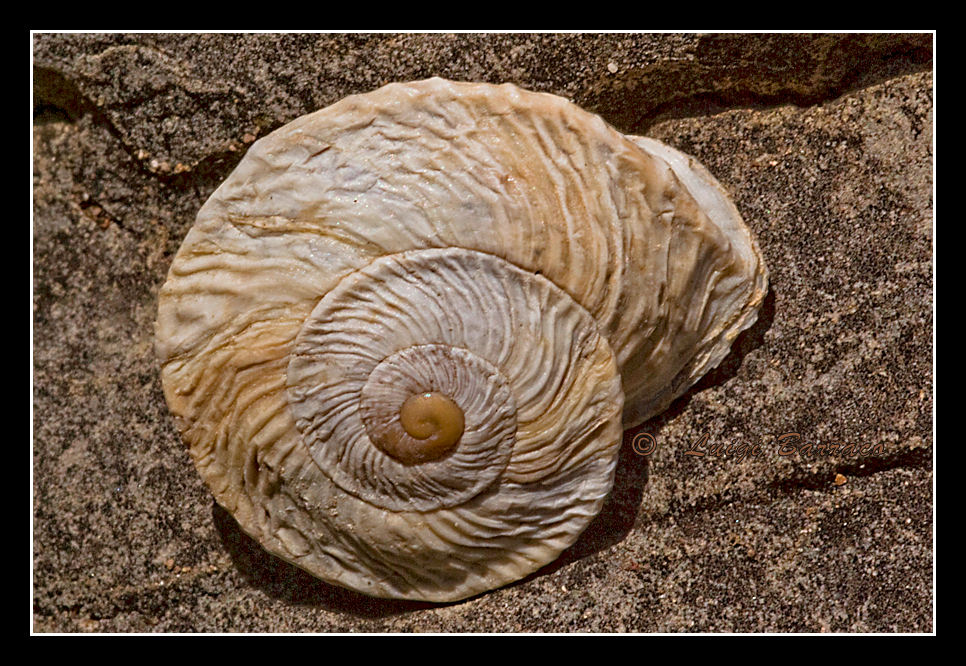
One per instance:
[(735, 520)]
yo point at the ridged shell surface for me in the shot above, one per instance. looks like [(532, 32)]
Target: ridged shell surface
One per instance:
[(552, 279)]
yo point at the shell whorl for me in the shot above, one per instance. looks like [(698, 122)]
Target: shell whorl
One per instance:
[(403, 337), (406, 325)]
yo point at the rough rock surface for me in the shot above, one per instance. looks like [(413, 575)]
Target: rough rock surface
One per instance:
[(730, 524)]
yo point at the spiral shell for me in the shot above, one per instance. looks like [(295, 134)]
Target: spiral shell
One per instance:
[(403, 338)]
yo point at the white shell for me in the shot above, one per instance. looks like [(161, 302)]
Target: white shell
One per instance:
[(558, 280)]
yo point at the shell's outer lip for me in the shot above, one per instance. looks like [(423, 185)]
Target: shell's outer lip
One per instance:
[(748, 277), (715, 202)]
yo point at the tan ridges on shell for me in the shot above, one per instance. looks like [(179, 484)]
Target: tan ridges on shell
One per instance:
[(492, 245)]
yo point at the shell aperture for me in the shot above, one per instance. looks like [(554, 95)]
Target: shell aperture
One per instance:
[(404, 336)]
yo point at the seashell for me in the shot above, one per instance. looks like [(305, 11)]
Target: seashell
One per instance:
[(403, 338)]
